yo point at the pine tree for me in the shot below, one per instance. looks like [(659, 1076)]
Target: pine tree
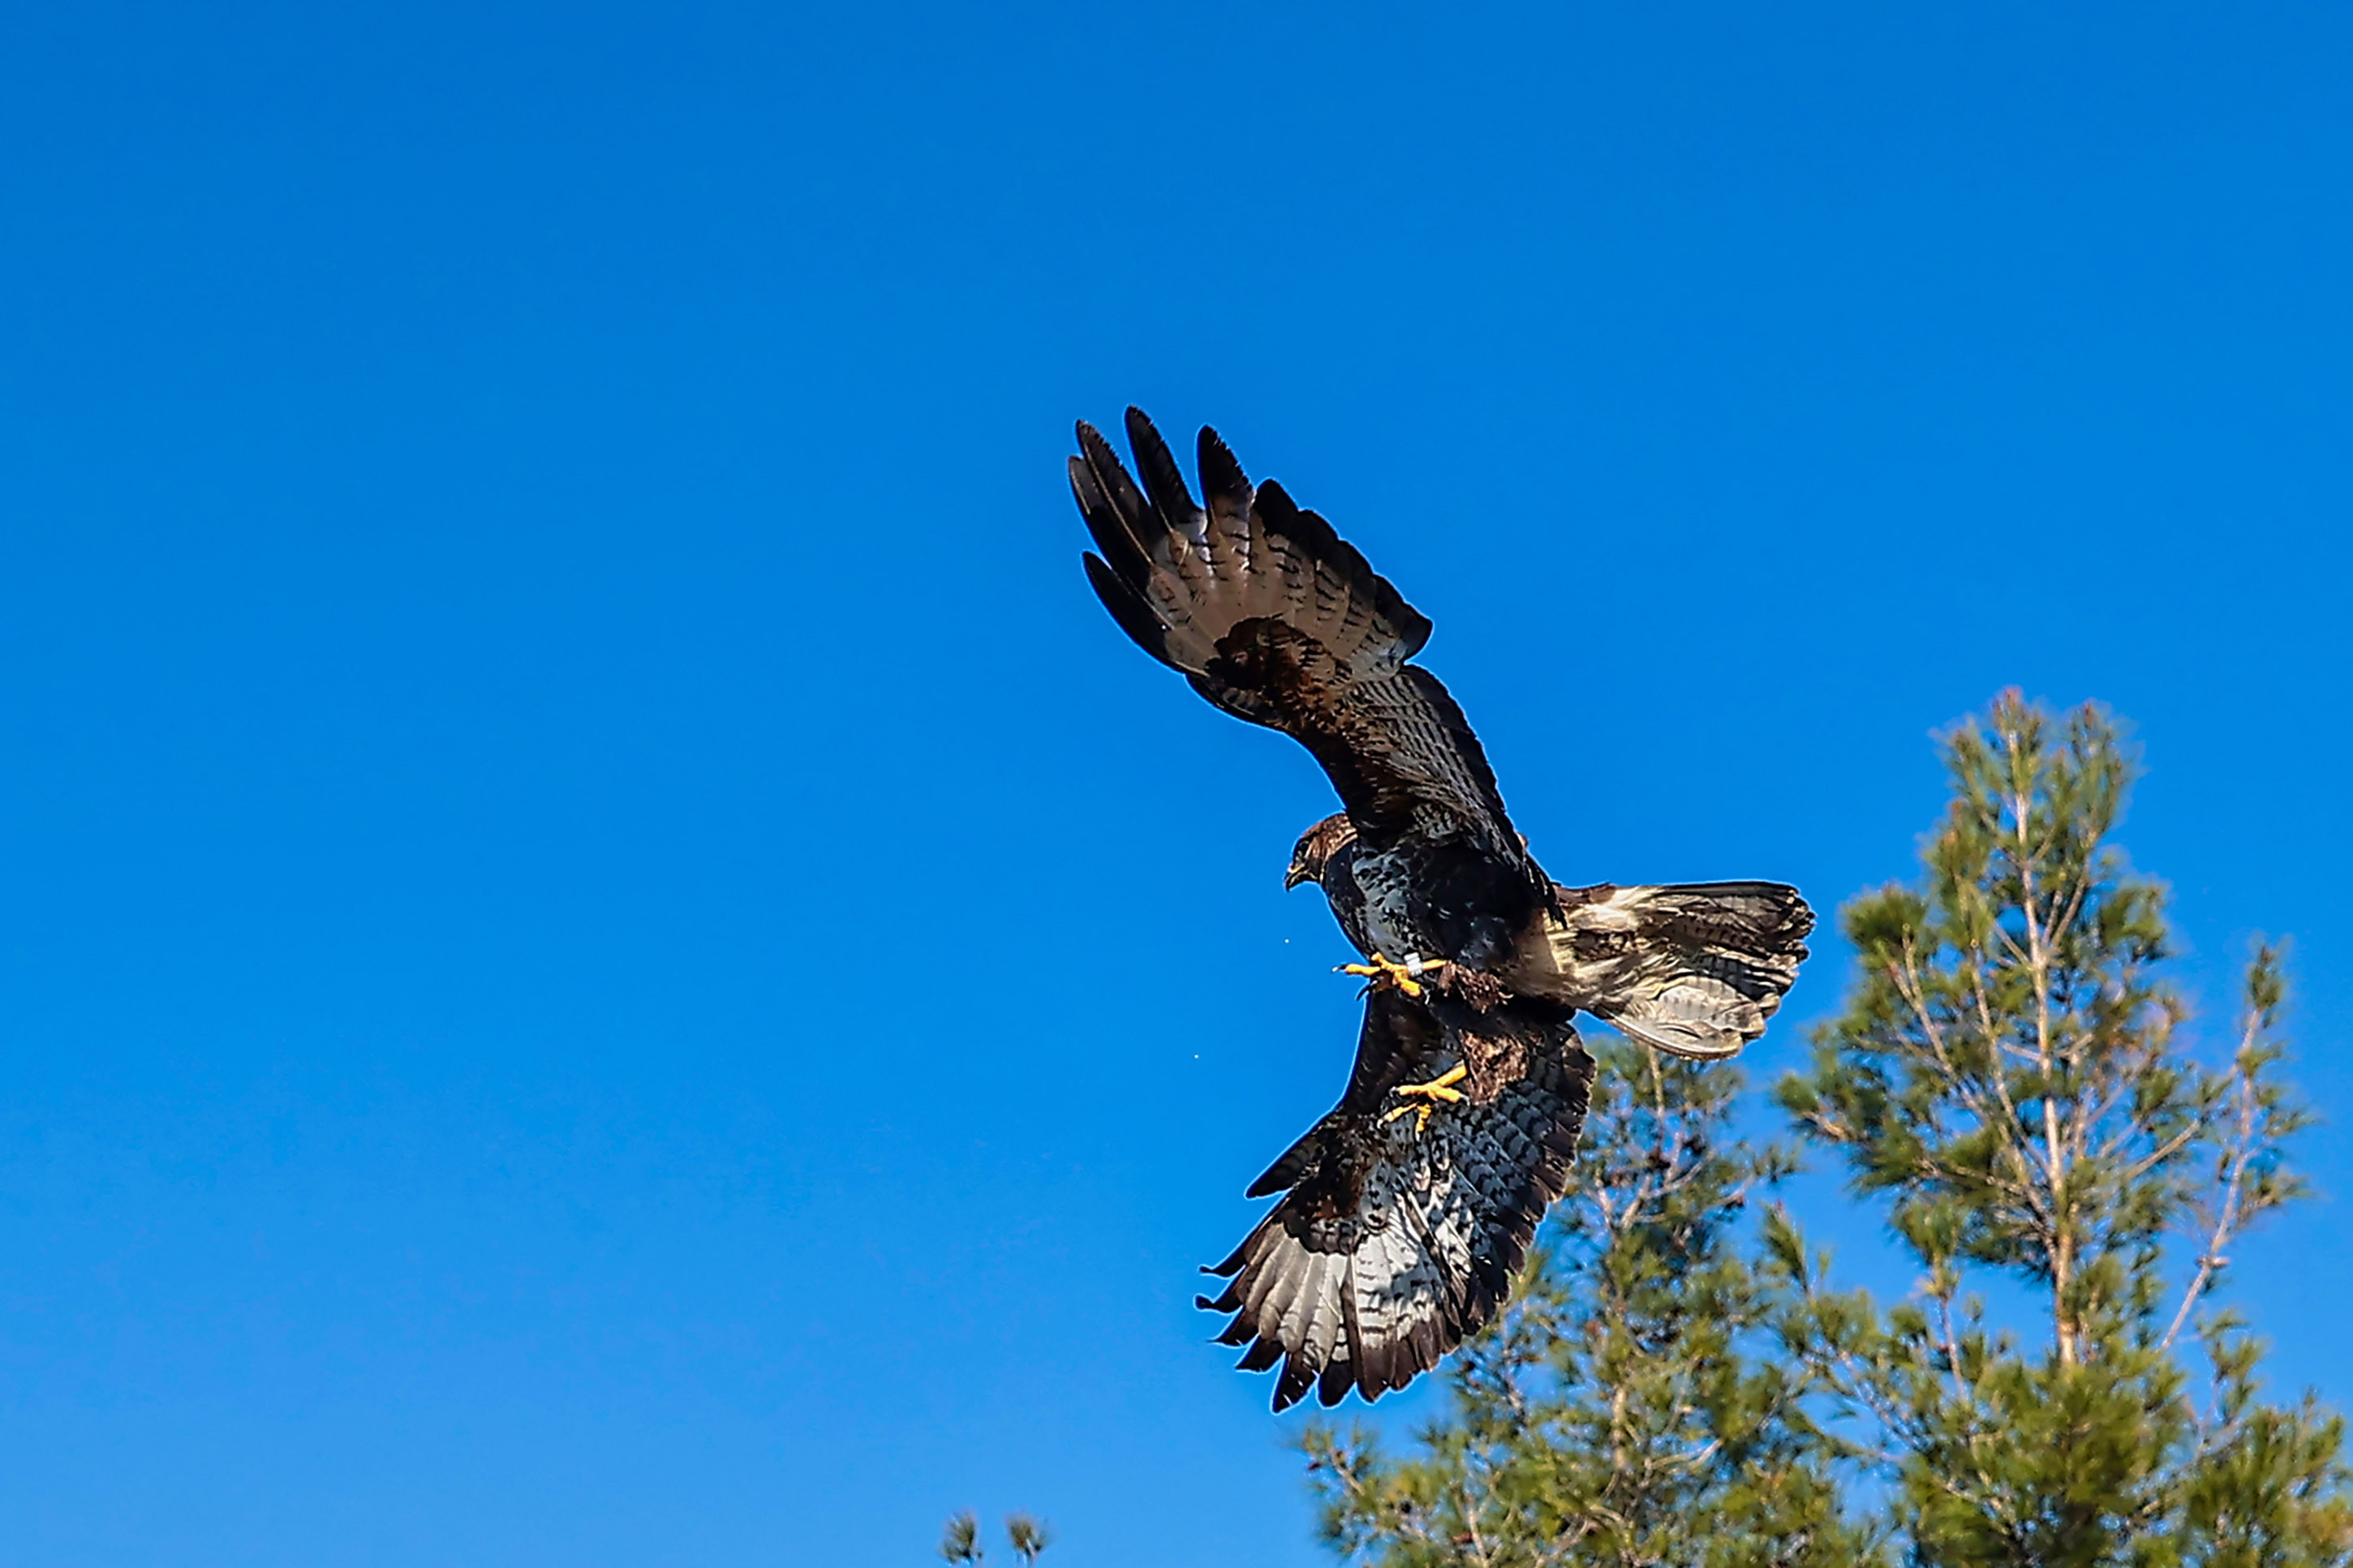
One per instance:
[(1612, 1415), (960, 1540), (2009, 1081), (2011, 1084)]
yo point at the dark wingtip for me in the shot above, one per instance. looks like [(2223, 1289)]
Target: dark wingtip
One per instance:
[(1275, 503), (1233, 1263), (1261, 1356), (1127, 607), (1221, 472), (1093, 476), (1297, 1378), (1093, 447), (1164, 482)]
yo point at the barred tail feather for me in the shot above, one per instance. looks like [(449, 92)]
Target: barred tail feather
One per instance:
[(1694, 969)]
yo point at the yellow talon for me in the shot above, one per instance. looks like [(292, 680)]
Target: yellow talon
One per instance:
[(1385, 972), (1437, 1088)]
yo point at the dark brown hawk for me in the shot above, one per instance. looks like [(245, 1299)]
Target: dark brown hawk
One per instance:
[(1408, 1209)]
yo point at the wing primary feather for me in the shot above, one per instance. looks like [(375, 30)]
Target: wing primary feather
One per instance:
[(1164, 482), (1122, 501), (1229, 1300), (1392, 1247), (1332, 1385), (1222, 479), (1277, 620), (1282, 513), (1128, 609), (1111, 535), (1234, 1260)]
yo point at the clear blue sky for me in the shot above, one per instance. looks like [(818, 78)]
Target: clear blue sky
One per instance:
[(606, 960)]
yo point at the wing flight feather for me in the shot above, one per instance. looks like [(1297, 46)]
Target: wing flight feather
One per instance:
[(1275, 619), (1395, 1239)]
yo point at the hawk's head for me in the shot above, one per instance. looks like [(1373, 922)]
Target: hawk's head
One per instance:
[(1315, 849)]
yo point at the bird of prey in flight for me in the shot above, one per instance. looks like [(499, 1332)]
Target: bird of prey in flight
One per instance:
[(1408, 1209)]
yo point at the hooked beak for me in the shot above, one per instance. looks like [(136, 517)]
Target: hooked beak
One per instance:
[(1296, 875)]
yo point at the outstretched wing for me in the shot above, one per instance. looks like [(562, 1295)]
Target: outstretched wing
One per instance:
[(1276, 619), (1398, 1239)]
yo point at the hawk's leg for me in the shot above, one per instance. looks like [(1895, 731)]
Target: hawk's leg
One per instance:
[(1386, 972), (1482, 990), (1437, 1088)]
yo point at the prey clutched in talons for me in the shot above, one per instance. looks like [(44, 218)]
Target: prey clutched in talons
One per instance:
[(1437, 1088), (1386, 971)]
